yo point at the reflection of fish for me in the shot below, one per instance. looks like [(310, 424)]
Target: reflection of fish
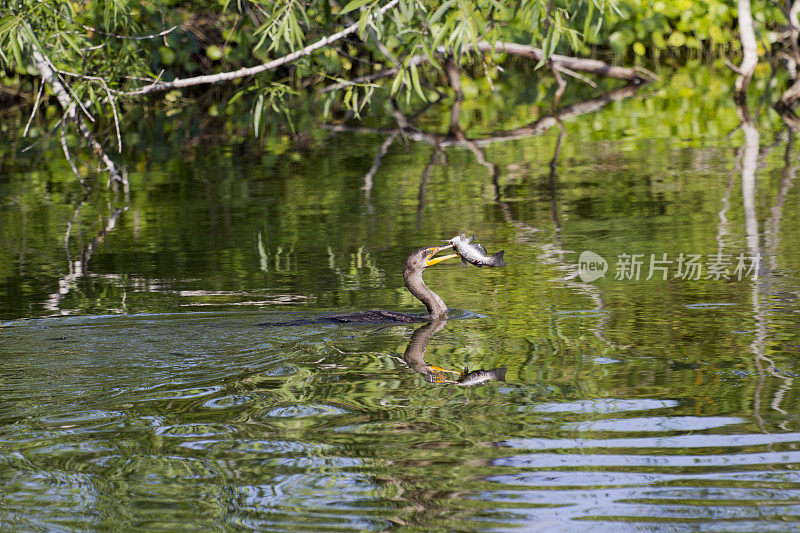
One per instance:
[(477, 377), (475, 253)]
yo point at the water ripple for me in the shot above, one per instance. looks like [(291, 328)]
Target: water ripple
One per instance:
[(302, 411), (606, 405), (597, 460), (655, 423), (678, 441)]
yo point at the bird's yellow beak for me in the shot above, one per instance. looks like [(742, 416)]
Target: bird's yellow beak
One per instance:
[(430, 260)]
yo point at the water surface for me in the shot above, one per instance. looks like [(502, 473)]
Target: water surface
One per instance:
[(139, 392)]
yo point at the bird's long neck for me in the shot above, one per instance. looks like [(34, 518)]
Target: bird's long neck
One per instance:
[(437, 309)]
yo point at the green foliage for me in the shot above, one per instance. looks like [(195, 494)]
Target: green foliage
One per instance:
[(107, 48), (117, 46), (682, 27), (79, 39)]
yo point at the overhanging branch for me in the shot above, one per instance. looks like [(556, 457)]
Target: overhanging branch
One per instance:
[(69, 105), (565, 64), (252, 71)]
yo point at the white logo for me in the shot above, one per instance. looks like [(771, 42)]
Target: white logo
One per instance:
[(591, 266)]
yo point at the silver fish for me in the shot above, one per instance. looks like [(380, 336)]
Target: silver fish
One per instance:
[(478, 377), (475, 253)]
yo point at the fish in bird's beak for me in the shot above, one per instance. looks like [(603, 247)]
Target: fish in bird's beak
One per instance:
[(430, 260)]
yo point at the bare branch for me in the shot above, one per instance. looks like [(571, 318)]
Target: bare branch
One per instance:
[(562, 85), (116, 116), (592, 66), (69, 105), (794, 26), (35, 108), (373, 34), (578, 76), (454, 78), (749, 52), (415, 60), (65, 147), (57, 77), (731, 66), (43, 137), (535, 128)]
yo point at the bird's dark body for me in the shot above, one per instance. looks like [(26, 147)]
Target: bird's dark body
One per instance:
[(361, 317), (377, 316)]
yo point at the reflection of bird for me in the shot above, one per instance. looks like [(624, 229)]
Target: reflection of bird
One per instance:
[(414, 357), (413, 268)]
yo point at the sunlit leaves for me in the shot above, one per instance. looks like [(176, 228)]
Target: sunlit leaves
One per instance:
[(271, 98), (282, 25), (353, 5), (698, 26), (356, 97)]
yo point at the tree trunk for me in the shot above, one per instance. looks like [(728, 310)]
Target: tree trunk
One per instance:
[(750, 56), (785, 104)]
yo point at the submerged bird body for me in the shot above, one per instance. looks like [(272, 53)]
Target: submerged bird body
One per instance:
[(475, 254), (376, 315)]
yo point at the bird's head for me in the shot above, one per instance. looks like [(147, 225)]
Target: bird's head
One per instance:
[(424, 257)]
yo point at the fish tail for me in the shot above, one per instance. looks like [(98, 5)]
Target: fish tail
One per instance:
[(498, 259), (501, 373)]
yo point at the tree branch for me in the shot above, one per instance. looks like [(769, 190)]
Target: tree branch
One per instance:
[(749, 51), (592, 66), (565, 64), (252, 71), (578, 76), (68, 104), (35, 108), (65, 147)]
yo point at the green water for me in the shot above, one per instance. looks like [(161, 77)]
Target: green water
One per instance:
[(138, 391)]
